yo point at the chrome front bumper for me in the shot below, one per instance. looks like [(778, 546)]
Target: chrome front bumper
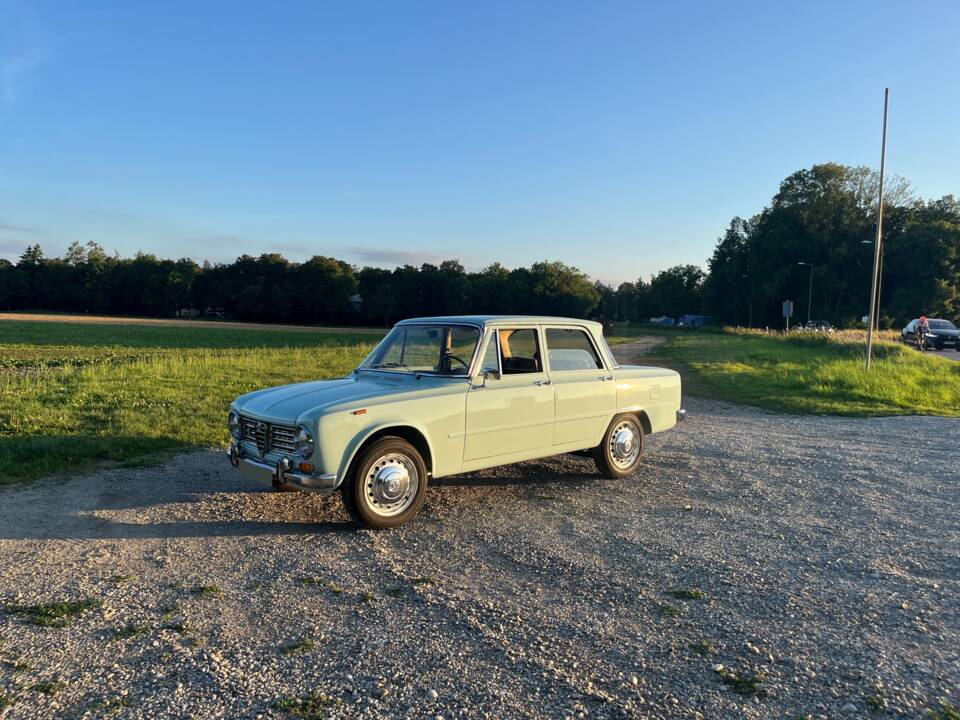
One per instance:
[(279, 474), (681, 415)]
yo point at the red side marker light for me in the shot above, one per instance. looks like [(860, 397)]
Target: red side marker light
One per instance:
[(362, 411)]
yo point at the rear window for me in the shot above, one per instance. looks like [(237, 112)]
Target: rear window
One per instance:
[(571, 349)]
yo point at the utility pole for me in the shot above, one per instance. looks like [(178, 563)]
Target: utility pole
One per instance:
[(876, 247)]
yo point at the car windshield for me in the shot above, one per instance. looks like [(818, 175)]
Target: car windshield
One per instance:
[(433, 349), (941, 325)]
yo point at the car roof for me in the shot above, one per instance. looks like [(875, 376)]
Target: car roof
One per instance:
[(497, 320)]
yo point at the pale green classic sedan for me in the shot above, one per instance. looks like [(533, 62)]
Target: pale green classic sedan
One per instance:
[(446, 395)]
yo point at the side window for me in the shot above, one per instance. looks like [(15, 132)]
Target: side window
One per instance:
[(520, 351), (571, 349), (490, 360)]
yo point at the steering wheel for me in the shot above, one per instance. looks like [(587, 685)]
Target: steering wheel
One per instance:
[(451, 356)]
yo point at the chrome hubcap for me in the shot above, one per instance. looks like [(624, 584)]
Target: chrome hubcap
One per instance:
[(392, 484), (624, 444)]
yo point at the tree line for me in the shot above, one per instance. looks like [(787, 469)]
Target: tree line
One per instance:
[(270, 288), (822, 220)]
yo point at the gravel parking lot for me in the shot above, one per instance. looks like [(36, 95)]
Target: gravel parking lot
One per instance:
[(760, 566)]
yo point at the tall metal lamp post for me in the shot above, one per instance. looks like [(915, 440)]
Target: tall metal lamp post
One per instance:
[(810, 291), (874, 300), (876, 314)]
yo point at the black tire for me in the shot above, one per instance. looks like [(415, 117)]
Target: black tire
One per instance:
[(609, 456), (402, 473)]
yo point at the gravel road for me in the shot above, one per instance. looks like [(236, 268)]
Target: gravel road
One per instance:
[(813, 559)]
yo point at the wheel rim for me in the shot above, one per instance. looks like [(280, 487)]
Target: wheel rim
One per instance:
[(625, 444), (391, 484)]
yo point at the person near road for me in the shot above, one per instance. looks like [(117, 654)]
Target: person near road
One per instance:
[(923, 327)]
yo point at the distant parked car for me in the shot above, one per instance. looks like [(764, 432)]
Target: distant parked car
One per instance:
[(694, 320), (442, 396), (942, 334), (818, 326)]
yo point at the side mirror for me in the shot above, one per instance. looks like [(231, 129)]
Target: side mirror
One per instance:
[(489, 375)]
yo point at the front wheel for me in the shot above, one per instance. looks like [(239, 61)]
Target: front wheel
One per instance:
[(388, 485), (620, 451)]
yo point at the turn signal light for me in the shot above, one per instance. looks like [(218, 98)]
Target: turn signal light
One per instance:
[(306, 467)]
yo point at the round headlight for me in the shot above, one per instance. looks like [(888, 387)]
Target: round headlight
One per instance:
[(233, 422), (304, 443)]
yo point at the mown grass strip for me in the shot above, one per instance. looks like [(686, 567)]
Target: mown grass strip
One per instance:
[(813, 374)]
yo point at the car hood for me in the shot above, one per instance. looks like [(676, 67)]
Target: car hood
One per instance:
[(944, 333), (287, 403)]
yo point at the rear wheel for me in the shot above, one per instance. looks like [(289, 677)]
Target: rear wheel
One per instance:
[(620, 451), (389, 484)]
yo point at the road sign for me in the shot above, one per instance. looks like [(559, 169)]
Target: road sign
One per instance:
[(788, 312)]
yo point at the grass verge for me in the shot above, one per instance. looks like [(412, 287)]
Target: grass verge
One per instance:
[(75, 394), (813, 373)]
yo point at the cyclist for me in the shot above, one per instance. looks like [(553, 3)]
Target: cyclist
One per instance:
[(923, 327)]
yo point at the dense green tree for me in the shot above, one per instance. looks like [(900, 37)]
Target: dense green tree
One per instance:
[(324, 287), (825, 217), (677, 291)]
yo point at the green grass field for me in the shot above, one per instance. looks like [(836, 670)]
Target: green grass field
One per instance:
[(73, 394), (812, 373)]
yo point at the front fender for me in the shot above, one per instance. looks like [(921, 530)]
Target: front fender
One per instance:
[(357, 442)]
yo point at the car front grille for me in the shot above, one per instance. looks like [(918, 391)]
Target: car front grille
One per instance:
[(267, 437)]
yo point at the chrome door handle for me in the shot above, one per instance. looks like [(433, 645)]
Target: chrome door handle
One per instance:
[(604, 378), (541, 382)]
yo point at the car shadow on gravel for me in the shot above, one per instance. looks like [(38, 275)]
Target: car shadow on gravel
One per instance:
[(165, 502), (192, 496), (526, 475)]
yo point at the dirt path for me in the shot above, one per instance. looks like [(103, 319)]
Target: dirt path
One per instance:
[(636, 351), (808, 556)]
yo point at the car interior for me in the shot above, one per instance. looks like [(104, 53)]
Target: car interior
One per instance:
[(519, 351)]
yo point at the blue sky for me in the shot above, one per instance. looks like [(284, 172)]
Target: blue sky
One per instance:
[(619, 137)]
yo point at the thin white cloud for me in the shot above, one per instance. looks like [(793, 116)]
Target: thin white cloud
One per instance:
[(392, 256), (11, 249), (7, 227)]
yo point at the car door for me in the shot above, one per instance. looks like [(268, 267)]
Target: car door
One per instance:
[(584, 391), (512, 413)]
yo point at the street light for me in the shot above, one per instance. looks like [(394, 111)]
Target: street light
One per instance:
[(875, 312), (810, 292)]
